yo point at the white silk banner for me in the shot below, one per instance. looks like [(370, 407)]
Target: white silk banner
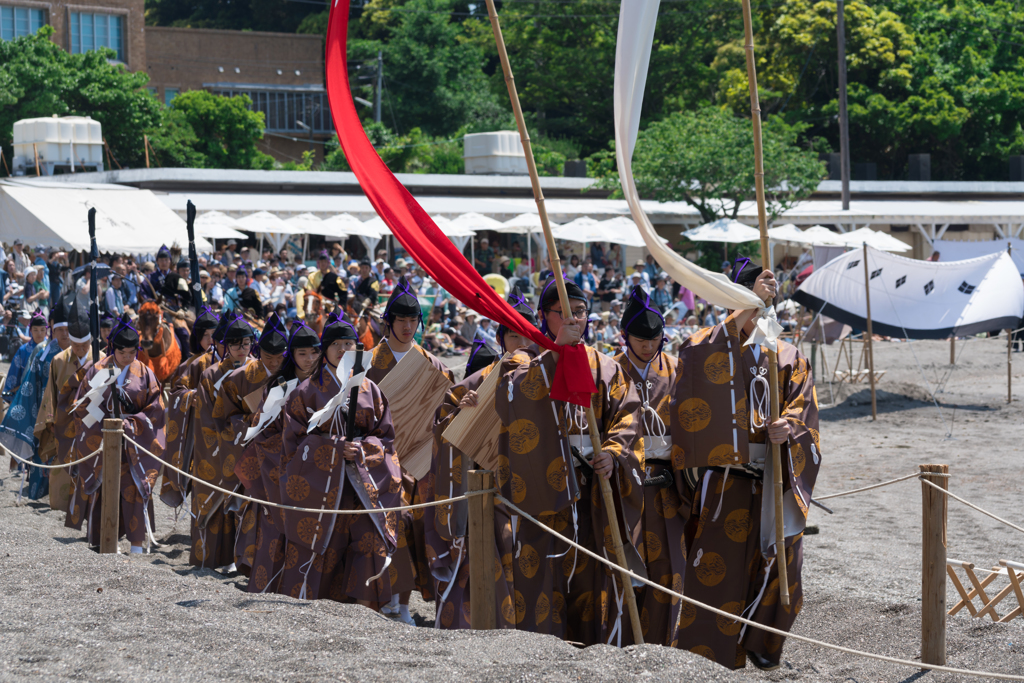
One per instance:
[(637, 20)]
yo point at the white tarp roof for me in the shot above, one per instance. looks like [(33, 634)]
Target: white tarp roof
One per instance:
[(127, 220), (918, 299)]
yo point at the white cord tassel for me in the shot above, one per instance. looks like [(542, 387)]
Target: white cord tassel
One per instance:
[(760, 409)]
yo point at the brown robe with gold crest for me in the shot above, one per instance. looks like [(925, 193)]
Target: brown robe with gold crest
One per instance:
[(446, 529), (182, 391), (65, 433), (663, 543), (341, 557), (410, 559), (144, 423), (233, 417), (62, 368), (557, 590), (213, 523), (730, 536)]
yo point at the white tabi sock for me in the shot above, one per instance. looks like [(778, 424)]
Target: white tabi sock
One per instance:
[(403, 611), (136, 550)]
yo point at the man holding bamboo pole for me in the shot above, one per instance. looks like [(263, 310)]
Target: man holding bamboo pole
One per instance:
[(722, 435)]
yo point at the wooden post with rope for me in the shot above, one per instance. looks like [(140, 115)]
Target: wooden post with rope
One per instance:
[(933, 565), (563, 298), (773, 361), (110, 500), (481, 551), (869, 348)]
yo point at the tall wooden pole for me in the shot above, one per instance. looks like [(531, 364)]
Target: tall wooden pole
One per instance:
[(482, 615), (110, 500), (933, 566), (773, 362), (844, 121), (145, 147), (563, 299), (869, 342), (1009, 349)]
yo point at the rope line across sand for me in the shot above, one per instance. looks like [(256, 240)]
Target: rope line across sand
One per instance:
[(972, 505), (417, 506), (877, 486), (748, 622), (49, 467)]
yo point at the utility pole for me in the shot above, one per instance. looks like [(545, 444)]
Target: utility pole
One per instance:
[(844, 122), (380, 85)]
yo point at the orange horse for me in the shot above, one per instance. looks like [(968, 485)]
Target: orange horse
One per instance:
[(158, 347)]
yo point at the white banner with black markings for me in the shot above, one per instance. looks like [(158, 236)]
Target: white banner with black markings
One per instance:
[(918, 299)]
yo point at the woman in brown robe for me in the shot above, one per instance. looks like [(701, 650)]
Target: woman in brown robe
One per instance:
[(182, 386), (213, 524), (662, 543), (548, 468), (232, 415), (721, 427), (446, 528), (259, 469), (126, 387), (341, 557), (403, 316)]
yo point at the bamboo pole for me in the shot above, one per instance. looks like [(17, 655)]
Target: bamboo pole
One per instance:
[(869, 348), (481, 551), (35, 153), (6, 168), (952, 350), (1009, 349), (145, 147), (110, 509), (773, 362), (933, 566), (563, 298)]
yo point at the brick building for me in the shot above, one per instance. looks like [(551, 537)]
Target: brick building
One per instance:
[(82, 25), (282, 73)]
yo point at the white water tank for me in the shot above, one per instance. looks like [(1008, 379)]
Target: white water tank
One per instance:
[(497, 153), (56, 140)]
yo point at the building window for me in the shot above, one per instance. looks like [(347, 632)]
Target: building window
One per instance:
[(170, 94), (283, 109), (92, 31), (20, 21)]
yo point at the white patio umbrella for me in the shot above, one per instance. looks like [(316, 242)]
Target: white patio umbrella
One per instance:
[(527, 224), (374, 226), (475, 222), (819, 234), (873, 238), (723, 230), (215, 225), (622, 230), (788, 233), (266, 224)]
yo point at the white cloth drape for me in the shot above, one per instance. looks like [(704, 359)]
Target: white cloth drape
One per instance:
[(637, 19)]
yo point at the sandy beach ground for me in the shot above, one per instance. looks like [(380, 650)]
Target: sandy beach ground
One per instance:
[(67, 613)]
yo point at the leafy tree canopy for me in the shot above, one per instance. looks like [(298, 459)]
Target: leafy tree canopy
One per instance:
[(226, 129)]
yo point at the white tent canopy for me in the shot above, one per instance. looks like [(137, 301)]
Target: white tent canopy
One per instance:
[(623, 230), (218, 226), (476, 222), (584, 229), (873, 238), (127, 220), (523, 224), (918, 299), (819, 234), (723, 230), (951, 250), (268, 225), (788, 233)]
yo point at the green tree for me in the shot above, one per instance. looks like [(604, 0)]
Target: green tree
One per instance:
[(226, 129), (282, 16), (706, 159), (40, 79), (175, 143)]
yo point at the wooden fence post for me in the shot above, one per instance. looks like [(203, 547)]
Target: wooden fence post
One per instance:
[(933, 566), (481, 551), (110, 502)]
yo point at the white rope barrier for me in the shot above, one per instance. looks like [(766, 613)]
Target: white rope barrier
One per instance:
[(49, 467), (748, 622), (916, 475), (972, 505), (325, 511)]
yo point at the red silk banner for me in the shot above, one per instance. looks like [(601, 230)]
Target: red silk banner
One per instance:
[(420, 236)]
